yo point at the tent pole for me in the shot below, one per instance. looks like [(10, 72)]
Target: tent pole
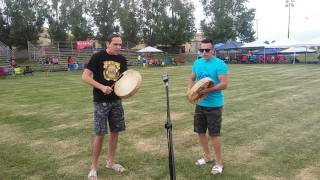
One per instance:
[(305, 56), (264, 55)]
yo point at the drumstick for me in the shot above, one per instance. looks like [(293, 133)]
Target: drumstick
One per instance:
[(120, 76)]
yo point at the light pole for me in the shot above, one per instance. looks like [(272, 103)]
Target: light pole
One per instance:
[(289, 4)]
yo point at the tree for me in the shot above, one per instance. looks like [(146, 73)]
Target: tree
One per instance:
[(167, 22), (181, 24), (78, 24), (104, 16), (4, 26), (244, 26), (153, 12), (130, 23), (228, 20), (26, 19), (58, 21)]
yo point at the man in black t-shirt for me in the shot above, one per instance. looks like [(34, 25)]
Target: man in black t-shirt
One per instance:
[(102, 71)]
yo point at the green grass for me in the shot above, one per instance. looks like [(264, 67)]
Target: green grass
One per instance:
[(270, 126)]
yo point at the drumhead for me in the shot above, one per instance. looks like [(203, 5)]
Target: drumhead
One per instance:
[(128, 84), (193, 95)]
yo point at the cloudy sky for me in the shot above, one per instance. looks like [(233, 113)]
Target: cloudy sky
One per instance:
[(272, 19)]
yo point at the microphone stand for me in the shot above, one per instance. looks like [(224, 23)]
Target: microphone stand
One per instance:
[(168, 126)]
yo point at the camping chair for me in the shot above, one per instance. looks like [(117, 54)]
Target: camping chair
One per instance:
[(2, 73), (244, 59), (180, 60), (17, 71), (27, 70), (9, 71), (261, 59), (281, 59), (253, 59)]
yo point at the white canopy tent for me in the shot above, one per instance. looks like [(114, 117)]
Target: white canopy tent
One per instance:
[(149, 49), (285, 43), (298, 50), (254, 44), (313, 42)]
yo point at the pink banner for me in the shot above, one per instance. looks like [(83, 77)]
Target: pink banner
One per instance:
[(85, 44)]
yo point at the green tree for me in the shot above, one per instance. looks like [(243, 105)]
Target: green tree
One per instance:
[(26, 19), (57, 18), (153, 12), (104, 16), (130, 23), (181, 23), (78, 24), (4, 26), (228, 20)]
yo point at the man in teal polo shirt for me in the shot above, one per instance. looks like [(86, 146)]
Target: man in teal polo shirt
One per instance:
[(208, 111)]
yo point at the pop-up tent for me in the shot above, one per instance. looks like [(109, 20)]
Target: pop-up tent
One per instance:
[(268, 51), (149, 49), (254, 45), (313, 42), (298, 50), (284, 43), (229, 46)]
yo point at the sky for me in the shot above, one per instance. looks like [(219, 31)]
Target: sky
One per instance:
[(272, 19)]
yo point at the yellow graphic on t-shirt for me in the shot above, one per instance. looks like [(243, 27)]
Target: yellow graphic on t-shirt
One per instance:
[(111, 70)]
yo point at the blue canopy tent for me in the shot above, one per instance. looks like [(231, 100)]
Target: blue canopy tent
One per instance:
[(267, 51), (218, 45), (229, 46), (233, 45)]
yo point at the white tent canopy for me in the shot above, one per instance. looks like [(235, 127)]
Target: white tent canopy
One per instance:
[(254, 44), (285, 43), (298, 50), (149, 49), (313, 42)]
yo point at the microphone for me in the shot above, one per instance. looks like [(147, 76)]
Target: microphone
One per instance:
[(165, 78)]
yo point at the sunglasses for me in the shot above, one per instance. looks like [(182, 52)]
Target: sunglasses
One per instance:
[(206, 50)]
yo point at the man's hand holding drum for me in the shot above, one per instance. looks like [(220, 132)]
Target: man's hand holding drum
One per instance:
[(106, 89)]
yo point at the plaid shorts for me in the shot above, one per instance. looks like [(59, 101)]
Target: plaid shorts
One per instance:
[(208, 118), (111, 112)]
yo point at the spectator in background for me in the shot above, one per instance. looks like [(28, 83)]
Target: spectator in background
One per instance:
[(55, 60), (13, 63), (71, 63)]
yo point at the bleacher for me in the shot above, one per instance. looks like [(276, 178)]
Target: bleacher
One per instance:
[(60, 51), (132, 57), (5, 56), (55, 57)]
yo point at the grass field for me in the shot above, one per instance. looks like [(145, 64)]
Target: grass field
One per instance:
[(270, 126)]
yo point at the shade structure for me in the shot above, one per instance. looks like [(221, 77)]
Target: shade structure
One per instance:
[(313, 42), (267, 51), (298, 50), (253, 45), (284, 43), (229, 46), (149, 49), (218, 45)]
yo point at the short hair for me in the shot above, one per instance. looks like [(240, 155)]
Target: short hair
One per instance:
[(111, 36), (207, 40)]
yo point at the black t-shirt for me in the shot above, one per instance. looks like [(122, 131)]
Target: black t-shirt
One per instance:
[(106, 69)]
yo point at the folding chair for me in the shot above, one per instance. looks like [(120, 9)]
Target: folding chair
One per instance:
[(27, 70)]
